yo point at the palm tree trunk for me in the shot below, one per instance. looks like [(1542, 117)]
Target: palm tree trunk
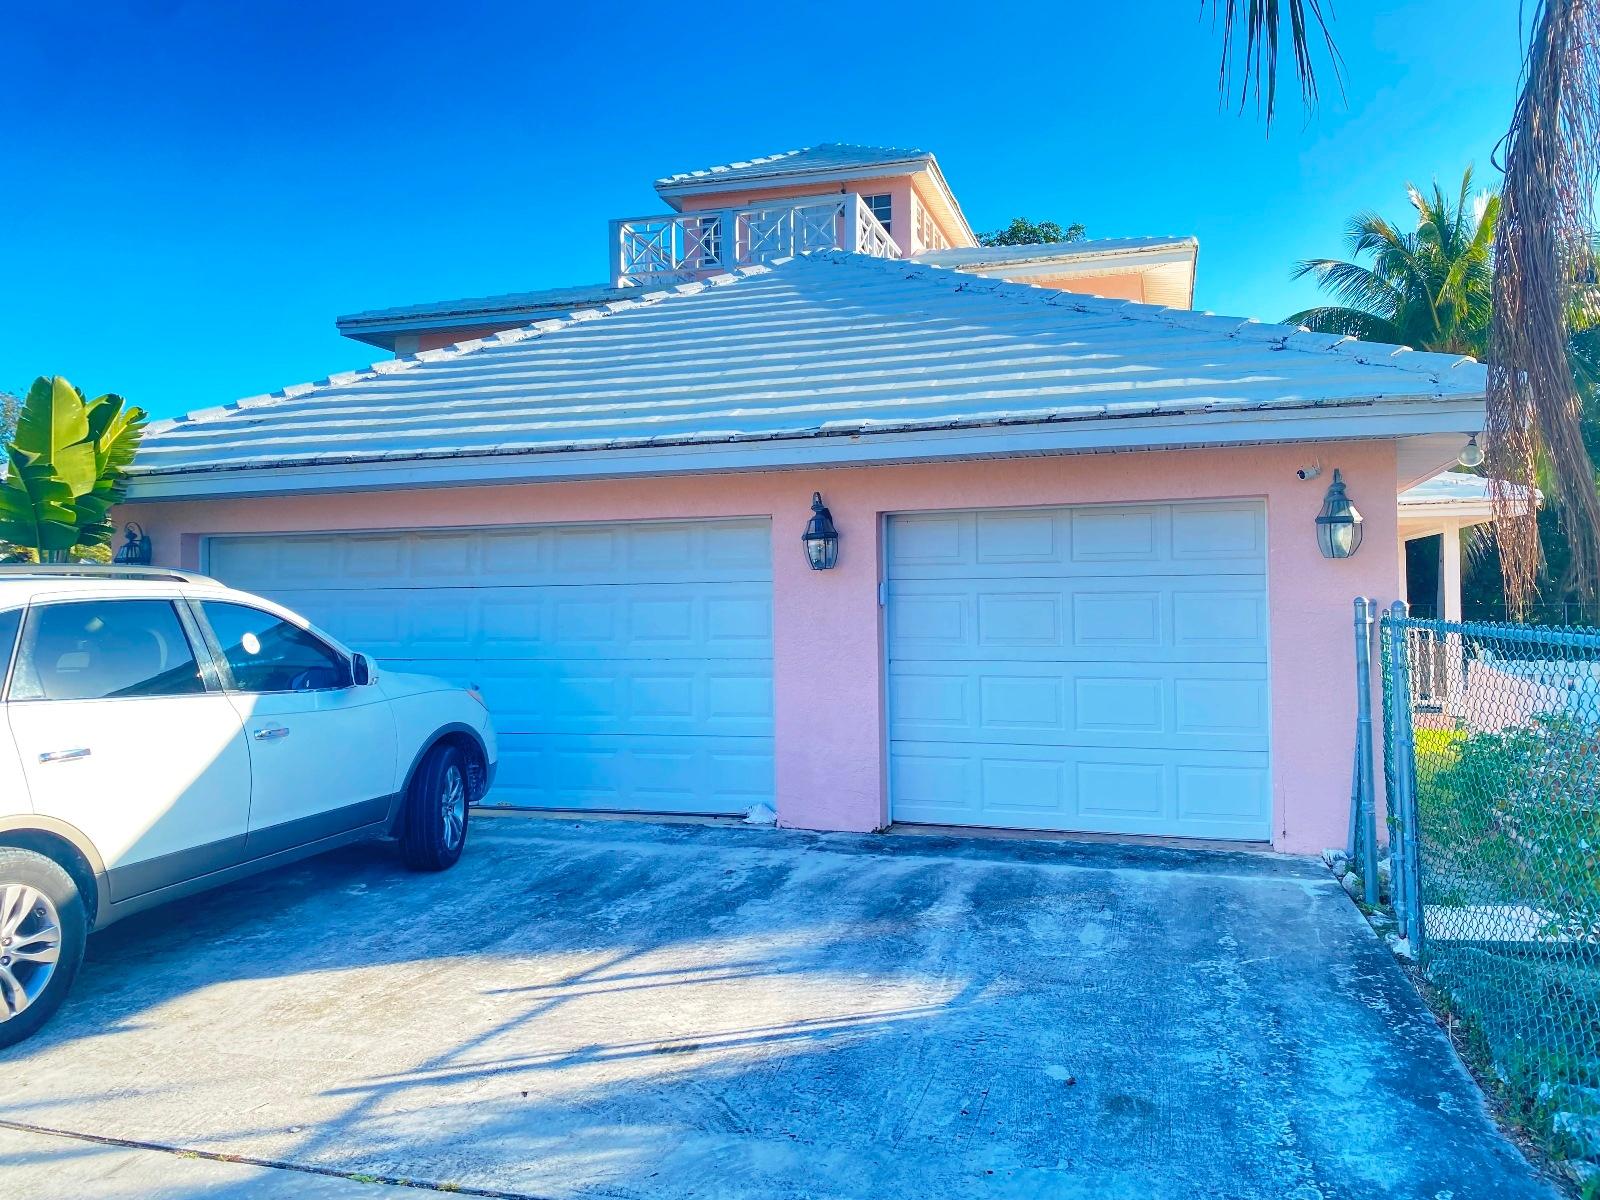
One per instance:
[(1542, 242)]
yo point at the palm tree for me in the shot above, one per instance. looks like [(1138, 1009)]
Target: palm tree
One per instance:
[(1551, 160), (1430, 288)]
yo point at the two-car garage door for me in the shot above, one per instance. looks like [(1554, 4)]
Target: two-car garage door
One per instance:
[(1094, 668), (628, 665)]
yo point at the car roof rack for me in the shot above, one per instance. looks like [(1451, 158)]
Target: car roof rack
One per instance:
[(99, 571)]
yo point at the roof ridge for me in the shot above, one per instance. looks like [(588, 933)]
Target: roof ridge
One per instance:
[(1281, 337), (463, 349)]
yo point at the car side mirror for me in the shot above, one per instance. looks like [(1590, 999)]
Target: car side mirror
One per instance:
[(363, 670)]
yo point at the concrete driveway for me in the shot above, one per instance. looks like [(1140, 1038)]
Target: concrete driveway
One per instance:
[(623, 1009)]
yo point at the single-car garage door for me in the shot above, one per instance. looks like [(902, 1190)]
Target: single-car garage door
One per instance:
[(1091, 668), (628, 666)]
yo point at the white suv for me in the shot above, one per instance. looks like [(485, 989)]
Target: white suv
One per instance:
[(161, 734)]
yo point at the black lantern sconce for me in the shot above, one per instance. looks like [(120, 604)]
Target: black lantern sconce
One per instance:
[(820, 539), (135, 548), (1338, 524)]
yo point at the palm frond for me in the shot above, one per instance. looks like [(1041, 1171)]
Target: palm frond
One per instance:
[(1256, 24), (1352, 322), (1352, 283)]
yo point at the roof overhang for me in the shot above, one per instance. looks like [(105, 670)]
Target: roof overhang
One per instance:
[(713, 183), (1427, 420)]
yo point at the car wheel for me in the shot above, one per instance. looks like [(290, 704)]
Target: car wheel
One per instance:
[(42, 932), (436, 811)]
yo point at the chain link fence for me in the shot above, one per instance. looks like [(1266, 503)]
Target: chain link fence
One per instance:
[(1492, 766)]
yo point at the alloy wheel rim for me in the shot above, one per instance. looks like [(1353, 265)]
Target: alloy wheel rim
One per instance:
[(453, 806), (30, 946)]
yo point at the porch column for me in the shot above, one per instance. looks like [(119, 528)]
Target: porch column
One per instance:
[(1453, 652), (1450, 572)]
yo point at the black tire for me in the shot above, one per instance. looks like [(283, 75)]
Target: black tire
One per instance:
[(430, 842), (24, 868)]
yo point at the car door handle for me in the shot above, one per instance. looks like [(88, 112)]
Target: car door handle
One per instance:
[(51, 756), (271, 733)]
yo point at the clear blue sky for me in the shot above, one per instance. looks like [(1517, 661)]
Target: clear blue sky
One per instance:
[(190, 191)]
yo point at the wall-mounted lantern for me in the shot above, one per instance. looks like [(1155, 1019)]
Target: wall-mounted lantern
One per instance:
[(821, 539), (135, 548), (1339, 524)]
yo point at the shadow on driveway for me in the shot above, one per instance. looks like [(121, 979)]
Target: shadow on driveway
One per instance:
[(623, 1009)]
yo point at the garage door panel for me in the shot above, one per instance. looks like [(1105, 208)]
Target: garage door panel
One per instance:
[(1215, 794), (1117, 541), (641, 654), (633, 774), (622, 553), (1164, 619), (1097, 668), (699, 620)]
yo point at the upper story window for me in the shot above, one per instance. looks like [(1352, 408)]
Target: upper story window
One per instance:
[(105, 650), (882, 207)]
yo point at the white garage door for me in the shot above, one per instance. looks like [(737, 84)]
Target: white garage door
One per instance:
[(1094, 668), (628, 666)]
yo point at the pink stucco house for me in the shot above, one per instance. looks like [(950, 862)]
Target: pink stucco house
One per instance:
[(1078, 584)]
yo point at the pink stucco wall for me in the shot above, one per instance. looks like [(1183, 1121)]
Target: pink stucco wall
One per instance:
[(827, 645)]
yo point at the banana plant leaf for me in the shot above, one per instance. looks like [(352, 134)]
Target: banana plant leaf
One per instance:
[(114, 431), (66, 468), (36, 506), (53, 427)]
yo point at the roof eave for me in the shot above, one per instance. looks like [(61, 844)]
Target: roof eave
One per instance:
[(950, 197), (1381, 417), (700, 185)]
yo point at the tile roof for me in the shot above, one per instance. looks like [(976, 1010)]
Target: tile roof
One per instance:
[(966, 257), (489, 306), (822, 345), (826, 156)]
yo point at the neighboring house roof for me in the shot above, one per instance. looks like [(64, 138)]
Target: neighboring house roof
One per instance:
[(1453, 496), (828, 359), (1166, 263), (972, 258), (378, 326)]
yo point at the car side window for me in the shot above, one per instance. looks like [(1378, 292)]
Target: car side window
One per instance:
[(105, 650), (265, 653)]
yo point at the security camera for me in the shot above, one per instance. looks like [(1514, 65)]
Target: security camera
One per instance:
[(1310, 472)]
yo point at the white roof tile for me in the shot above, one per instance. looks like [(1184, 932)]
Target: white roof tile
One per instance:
[(810, 346)]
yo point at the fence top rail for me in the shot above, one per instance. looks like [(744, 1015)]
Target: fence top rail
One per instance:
[(1566, 636)]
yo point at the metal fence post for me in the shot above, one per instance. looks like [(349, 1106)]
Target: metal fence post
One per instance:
[(1404, 884), (1363, 816)]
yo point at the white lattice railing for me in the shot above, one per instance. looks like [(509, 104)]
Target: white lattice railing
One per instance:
[(928, 235), (678, 247)]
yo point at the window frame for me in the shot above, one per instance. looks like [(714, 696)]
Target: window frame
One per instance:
[(226, 680), (888, 199), (199, 650)]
